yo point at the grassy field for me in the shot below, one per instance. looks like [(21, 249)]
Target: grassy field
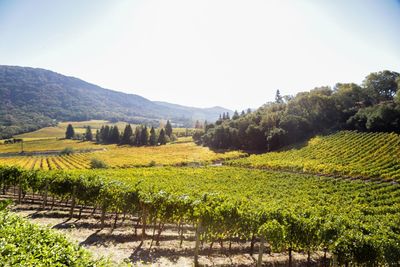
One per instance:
[(42, 144), (59, 130)]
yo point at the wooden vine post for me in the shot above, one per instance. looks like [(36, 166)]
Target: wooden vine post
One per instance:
[(197, 244), (260, 252)]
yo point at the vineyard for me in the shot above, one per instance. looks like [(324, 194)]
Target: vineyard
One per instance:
[(25, 244), (285, 212), (124, 156), (353, 154)]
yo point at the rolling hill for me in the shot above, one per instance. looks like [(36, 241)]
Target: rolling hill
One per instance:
[(32, 98)]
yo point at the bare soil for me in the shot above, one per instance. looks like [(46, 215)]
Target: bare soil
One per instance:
[(122, 245)]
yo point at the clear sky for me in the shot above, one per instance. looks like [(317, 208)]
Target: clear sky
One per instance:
[(204, 53)]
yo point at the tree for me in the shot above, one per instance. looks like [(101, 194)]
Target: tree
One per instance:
[(278, 97), (97, 136), (114, 135), (126, 137), (382, 86), (168, 129), (70, 133), (235, 115), (197, 125), (105, 134), (162, 139), (89, 134), (153, 137), (137, 137), (144, 136)]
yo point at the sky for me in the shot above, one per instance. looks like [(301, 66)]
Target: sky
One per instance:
[(206, 53)]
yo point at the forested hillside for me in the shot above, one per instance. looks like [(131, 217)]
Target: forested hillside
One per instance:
[(372, 106), (34, 98)]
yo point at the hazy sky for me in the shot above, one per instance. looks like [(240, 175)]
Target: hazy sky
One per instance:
[(204, 53)]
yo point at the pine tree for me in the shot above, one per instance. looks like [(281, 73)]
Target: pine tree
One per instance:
[(97, 136), (162, 140), (88, 134), (144, 136), (153, 137), (242, 113), (114, 135), (126, 137), (70, 133), (248, 110), (278, 97), (168, 129), (235, 115), (227, 116), (137, 141), (105, 137), (197, 125)]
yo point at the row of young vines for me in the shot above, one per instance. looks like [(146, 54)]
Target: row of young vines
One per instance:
[(347, 153), (357, 222)]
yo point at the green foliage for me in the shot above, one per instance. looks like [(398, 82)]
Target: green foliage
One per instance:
[(25, 244), (369, 107), (88, 134), (67, 151), (70, 132), (300, 212), (97, 164), (162, 138), (126, 136), (153, 137), (168, 129)]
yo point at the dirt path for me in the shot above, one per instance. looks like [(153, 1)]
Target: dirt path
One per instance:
[(123, 245)]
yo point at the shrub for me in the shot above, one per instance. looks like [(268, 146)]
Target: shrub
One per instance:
[(67, 151), (97, 164)]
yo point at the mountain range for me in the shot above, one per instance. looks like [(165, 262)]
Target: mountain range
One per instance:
[(31, 98)]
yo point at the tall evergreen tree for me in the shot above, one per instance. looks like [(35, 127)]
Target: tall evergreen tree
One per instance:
[(162, 139), (227, 116), (88, 134), (153, 137), (242, 113), (278, 97), (97, 136), (168, 129), (235, 115), (126, 137), (105, 136), (114, 135), (144, 139), (137, 140), (70, 133)]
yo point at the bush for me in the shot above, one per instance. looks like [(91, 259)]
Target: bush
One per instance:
[(97, 164), (67, 151)]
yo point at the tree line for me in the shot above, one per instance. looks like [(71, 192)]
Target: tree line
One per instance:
[(142, 136), (373, 106)]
